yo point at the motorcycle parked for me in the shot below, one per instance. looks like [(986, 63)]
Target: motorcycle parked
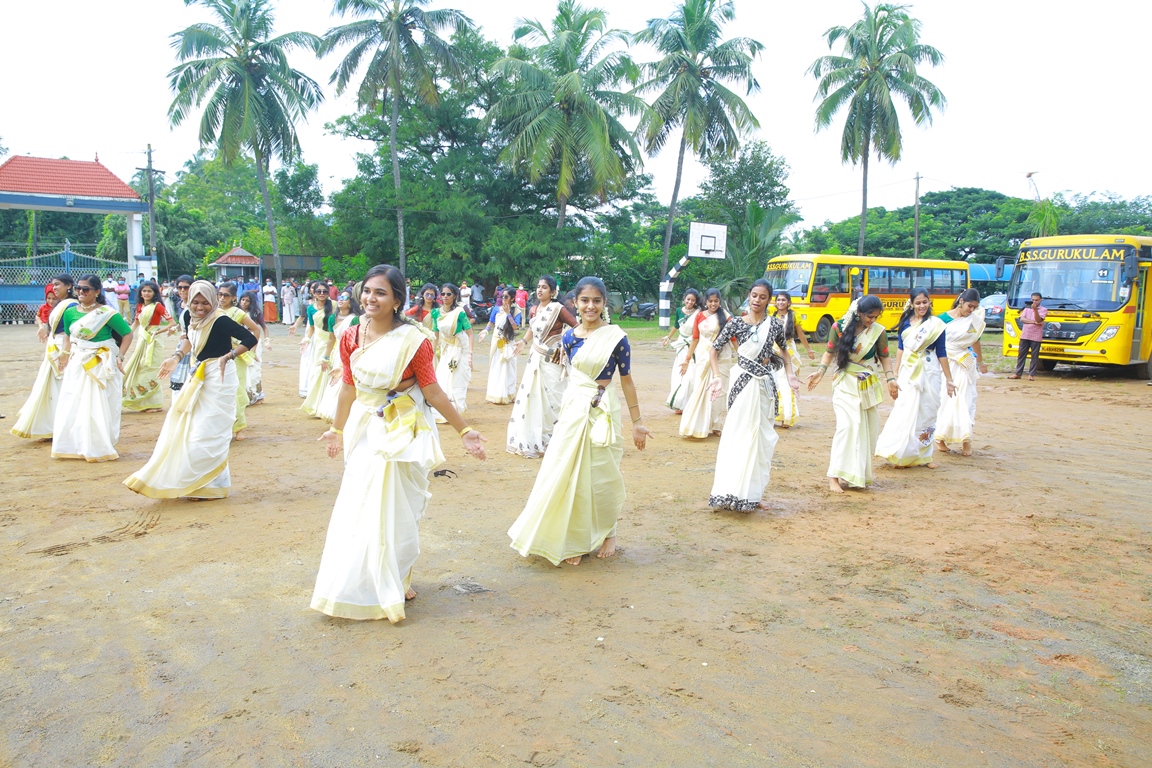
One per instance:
[(634, 308)]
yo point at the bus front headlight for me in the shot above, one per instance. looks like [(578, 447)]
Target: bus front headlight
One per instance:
[(1108, 333), (1010, 329)]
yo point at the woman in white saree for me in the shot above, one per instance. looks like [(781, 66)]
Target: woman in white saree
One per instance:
[(254, 308), (454, 337), (230, 305), (956, 420), (787, 404), (348, 314), (680, 339), (309, 359), (384, 423), (703, 414), (537, 404), (921, 367), (142, 392), (191, 455), (579, 492), (857, 341), (39, 411), (504, 324), (744, 456), (87, 421)]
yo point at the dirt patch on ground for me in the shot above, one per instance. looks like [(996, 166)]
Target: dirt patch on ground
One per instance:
[(994, 611)]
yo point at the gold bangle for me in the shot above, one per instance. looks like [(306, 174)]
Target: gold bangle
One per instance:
[(335, 431), (466, 430)]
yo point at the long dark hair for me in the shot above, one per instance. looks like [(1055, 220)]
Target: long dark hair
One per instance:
[(789, 317), (230, 289), (399, 288), (96, 285), (353, 304), (69, 281), (551, 281), (721, 315), (455, 294), (866, 306), (507, 331), (155, 293), (255, 308), (908, 313), (328, 308), (430, 287), (696, 295), (969, 295)]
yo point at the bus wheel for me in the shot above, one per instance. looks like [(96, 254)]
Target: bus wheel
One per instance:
[(1047, 365), (823, 329), (1141, 370)]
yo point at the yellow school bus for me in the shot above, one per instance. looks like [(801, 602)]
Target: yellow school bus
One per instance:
[(1096, 291), (822, 286)]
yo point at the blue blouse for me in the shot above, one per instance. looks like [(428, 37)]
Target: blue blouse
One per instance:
[(938, 348), (621, 359)]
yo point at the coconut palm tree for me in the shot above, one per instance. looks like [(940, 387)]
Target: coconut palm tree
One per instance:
[(690, 76), (563, 112), (251, 96), (878, 67), (405, 52)]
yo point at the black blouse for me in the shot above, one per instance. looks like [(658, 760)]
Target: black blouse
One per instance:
[(220, 337)]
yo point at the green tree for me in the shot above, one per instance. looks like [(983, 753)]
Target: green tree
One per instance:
[(563, 114), (405, 51), (752, 174), (695, 64), (251, 96), (753, 238), (877, 68)]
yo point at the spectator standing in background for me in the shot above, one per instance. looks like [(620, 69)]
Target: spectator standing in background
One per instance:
[(1031, 335), (122, 294), (269, 294), (109, 288), (522, 297), (288, 300)]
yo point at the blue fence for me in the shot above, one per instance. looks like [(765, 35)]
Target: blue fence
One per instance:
[(22, 280)]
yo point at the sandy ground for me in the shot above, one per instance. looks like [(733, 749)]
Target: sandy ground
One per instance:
[(993, 612)]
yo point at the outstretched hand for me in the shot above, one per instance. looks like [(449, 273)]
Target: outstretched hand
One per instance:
[(715, 388), (333, 443), (814, 379), (474, 444), (640, 435)]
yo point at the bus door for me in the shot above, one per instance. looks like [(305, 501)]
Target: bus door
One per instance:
[(1142, 296)]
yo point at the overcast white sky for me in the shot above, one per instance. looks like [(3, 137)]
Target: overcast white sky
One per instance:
[(1055, 87)]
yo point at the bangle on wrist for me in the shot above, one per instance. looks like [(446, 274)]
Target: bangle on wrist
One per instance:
[(466, 430), (335, 431)]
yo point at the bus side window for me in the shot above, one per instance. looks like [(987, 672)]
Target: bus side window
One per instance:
[(942, 281), (878, 280), (921, 278), (830, 277), (901, 280)]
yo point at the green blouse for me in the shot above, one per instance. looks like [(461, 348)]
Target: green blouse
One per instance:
[(115, 323), (462, 321)]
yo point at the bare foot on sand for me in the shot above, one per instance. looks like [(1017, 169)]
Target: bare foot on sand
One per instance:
[(608, 548), (931, 465), (835, 485), (410, 594), (966, 447), (942, 447), (574, 560)]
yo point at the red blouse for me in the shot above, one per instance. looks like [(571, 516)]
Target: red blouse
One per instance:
[(423, 365), (44, 312), (160, 313)]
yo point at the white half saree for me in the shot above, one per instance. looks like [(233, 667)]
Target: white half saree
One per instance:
[(502, 364), (681, 385), (787, 402), (332, 386), (305, 368), (142, 390), (956, 419), (87, 421), (191, 455), (39, 410), (906, 440), (744, 456), (373, 538), (537, 404), (702, 415), (242, 363), (453, 369), (856, 394), (578, 495), (318, 371)]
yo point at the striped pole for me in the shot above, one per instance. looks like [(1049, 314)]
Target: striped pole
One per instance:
[(666, 292)]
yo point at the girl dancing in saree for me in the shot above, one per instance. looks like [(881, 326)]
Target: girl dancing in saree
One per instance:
[(230, 305), (191, 455), (857, 341), (704, 414), (142, 393), (537, 404), (680, 339), (744, 457), (321, 302), (956, 419), (87, 421), (348, 316), (578, 495), (319, 339), (906, 440), (39, 411), (254, 308), (787, 404), (502, 358), (384, 422), (454, 334)]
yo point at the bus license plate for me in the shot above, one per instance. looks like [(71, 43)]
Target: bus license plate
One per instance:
[(1051, 350)]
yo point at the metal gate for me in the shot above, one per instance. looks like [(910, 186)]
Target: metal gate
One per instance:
[(22, 280)]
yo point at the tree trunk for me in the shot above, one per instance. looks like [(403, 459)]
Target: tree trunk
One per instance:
[(396, 182), (864, 204), (672, 207), (563, 211), (260, 175)]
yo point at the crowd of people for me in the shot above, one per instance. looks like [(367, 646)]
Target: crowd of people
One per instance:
[(383, 362)]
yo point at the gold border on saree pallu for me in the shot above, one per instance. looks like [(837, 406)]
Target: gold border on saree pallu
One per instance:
[(95, 460), (198, 490), (338, 610)]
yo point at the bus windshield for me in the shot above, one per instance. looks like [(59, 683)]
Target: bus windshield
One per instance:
[(791, 276), (1087, 278)]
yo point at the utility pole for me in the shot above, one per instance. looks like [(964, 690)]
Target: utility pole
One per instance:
[(152, 210), (916, 219)]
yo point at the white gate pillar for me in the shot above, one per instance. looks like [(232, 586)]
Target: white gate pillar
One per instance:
[(137, 261)]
